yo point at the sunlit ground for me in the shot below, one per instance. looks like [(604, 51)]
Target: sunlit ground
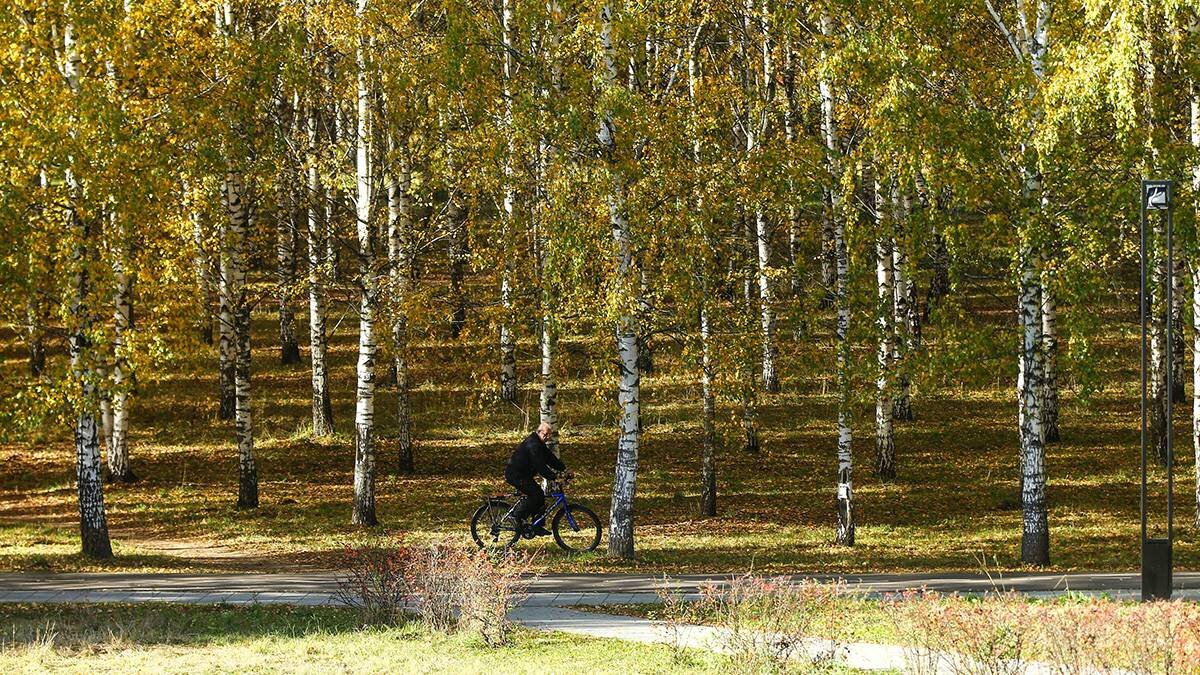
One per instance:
[(954, 505)]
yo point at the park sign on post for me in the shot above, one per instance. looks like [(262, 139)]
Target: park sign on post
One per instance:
[(1156, 551)]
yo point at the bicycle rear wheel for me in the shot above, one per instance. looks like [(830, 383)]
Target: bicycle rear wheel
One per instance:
[(577, 529), (491, 526)]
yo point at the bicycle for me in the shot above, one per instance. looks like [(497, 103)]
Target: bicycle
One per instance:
[(576, 528)]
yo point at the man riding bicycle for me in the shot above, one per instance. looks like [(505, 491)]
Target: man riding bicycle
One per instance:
[(533, 458)]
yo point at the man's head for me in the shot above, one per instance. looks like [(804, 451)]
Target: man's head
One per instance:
[(543, 431)]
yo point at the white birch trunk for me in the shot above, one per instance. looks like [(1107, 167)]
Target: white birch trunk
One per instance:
[(118, 446), (828, 247), (206, 286), (459, 257), (749, 377), (1158, 346), (620, 537), (235, 201), (795, 255), (364, 413), (93, 524), (905, 318), (225, 321), (1035, 533), (548, 401), (708, 464), (1196, 342), (1050, 433), (766, 301), (508, 350), (756, 131), (1030, 44), (885, 444), (1179, 346), (285, 246), (708, 469), (836, 218), (399, 233), (322, 407)]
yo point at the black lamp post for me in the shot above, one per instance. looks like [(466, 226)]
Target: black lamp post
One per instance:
[(1156, 552)]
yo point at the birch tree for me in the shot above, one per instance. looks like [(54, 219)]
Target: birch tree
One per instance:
[(708, 401), (285, 230), (399, 266), (625, 289), (322, 407), (235, 202), (837, 218), (364, 414), (508, 349), (756, 128), (905, 319), (885, 444), (1029, 47), (548, 156), (117, 442), (93, 523)]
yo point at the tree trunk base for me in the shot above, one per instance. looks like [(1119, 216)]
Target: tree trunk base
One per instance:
[(289, 355), (885, 473), (127, 477), (1035, 549), (97, 546)]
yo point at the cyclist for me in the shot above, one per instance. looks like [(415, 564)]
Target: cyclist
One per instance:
[(533, 458)]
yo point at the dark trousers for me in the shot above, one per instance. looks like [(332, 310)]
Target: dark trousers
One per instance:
[(534, 500)]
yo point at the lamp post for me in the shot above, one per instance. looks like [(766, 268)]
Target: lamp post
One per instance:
[(1156, 551)]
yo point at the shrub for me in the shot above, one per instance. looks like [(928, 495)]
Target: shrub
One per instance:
[(377, 577), (1078, 635), (1162, 637), (675, 614), (489, 587), (967, 636), (770, 622), (435, 585), (450, 586), (911, 614)]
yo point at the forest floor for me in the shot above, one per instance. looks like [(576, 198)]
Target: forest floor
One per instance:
[(953, 507)]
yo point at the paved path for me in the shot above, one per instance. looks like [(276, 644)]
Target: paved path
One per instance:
[(547, 590)]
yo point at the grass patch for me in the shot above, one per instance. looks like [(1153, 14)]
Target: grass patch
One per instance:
[(188, 639)]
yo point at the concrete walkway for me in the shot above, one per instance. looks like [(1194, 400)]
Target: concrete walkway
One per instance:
[(546, 590)]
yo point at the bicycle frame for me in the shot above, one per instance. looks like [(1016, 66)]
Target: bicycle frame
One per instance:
[(560, 501)]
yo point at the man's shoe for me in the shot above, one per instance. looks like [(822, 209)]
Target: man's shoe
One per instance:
[(541, 531)]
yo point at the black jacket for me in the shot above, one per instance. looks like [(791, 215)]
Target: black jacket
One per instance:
[(531, 458)]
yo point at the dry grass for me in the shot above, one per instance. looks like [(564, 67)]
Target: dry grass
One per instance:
[(182, 639)]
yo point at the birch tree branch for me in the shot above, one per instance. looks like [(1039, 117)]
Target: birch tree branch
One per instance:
[(1008, 36)]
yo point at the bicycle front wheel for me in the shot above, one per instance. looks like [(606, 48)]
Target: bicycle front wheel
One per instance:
[(577, 529), (491, 526)]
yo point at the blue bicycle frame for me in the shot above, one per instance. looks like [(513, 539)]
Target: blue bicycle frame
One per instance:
[(560, 501)]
